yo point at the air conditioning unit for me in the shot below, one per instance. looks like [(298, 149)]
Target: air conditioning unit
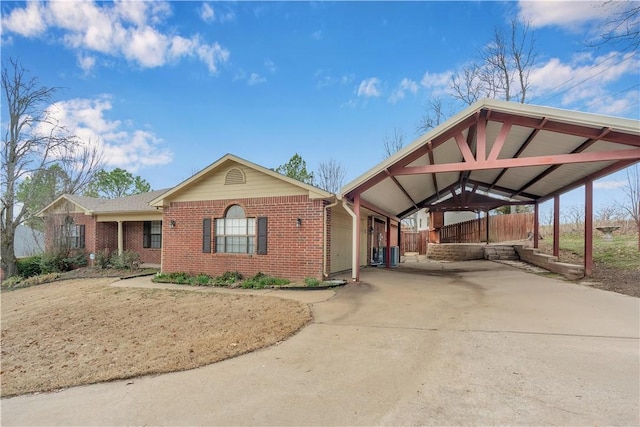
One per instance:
[(395, 255)]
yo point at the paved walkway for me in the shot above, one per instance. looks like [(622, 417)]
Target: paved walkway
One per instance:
[(456, 343)]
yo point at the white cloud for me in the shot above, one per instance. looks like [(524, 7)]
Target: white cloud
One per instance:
[(123, 146), (436, 82), (583, 79), (27, 22), (86, 62), (270, 65), (369, 87), (207, 14), (324, 78), (406, 85), (570, 14), (133, 30), (255, 79), (608, 184)]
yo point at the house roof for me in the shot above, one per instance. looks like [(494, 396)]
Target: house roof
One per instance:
[(92, 205), (314, 192), (507, 150)]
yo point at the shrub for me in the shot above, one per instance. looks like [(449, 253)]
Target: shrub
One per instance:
[(311, 282), (29, 266), (103, 258), (260, 281), (52, 263), (179, 277), (202, 280), (74, 261), (128, 260), (228, 278)]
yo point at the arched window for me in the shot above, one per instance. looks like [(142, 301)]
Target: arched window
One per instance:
[(235, 233)]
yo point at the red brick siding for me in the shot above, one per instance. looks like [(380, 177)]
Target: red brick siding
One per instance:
[(106, 236), (293, 253), (133, 240), (52, 226)]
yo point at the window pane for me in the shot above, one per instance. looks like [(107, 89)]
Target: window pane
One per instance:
[(156, 227), (235, 211), (250, 239), (251, 226), (220, 244)]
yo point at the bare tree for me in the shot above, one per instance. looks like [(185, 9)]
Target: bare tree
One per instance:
[(435, 115), (393, 142), (606, 214), (503, 69), (33, 142), (330, 176), (631, 205), (623, 26)]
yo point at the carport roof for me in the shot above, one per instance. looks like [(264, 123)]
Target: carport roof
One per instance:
[(508, 151)]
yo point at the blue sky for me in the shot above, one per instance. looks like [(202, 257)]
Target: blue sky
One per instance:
[(168, 88)]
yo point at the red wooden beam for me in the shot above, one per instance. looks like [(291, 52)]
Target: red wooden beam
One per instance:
[(567, 128), (594, 176), (467, 155), (500, 140), (522, 162)]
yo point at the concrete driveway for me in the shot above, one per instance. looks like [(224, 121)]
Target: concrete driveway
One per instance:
[(457, 343)]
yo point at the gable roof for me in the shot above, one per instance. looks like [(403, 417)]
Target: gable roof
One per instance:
[(520, 152), (314, 192), (92, 205)]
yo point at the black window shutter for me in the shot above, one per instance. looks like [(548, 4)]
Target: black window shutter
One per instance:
[(146, 234), (81, 242), (262, 235), (206, 235)]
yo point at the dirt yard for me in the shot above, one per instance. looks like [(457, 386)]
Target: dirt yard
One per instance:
[(83, 331)]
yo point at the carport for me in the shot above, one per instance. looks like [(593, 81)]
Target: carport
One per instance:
[(517, 153)]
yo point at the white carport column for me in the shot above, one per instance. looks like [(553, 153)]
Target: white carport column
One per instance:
[(120, 238), (355, 241)]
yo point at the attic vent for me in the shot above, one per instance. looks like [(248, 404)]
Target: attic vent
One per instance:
[(234, 176)]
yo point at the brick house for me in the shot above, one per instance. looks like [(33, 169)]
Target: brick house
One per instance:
[(233, 215)]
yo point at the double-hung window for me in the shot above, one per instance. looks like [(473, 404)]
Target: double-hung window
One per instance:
[(235, 233), (152, 234), (73, 234)]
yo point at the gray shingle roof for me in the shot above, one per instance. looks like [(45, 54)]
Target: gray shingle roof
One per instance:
[(135, 203)]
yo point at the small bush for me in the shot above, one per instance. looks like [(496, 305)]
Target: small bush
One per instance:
[(202, 280), (228, 278), (311, 282), (103, 258), (128, 260), (30, 266), (74, 261), (12, 282), (261, 281), (52, 263), (179, 278)]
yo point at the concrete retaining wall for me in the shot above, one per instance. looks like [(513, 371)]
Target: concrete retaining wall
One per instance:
[(550, 262), (455, 251)]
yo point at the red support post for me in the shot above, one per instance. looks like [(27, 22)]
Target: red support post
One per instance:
[(388, 237), (556, 225), (588, 228), (536, 225)]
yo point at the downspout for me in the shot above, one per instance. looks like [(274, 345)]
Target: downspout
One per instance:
[(325, 273), (355, 259)]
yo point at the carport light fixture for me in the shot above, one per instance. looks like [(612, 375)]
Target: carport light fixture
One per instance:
[(172, 223), (298, 222)]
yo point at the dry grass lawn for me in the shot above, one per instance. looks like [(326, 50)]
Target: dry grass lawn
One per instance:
[(84, 331)]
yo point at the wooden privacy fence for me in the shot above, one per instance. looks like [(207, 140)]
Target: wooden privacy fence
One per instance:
[(414, 242), (501, 228)]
